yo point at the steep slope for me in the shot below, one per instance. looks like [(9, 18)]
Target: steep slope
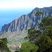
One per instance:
[(18, 28), (28, 21)]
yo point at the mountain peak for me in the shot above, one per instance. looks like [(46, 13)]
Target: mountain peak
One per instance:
[(27, 21)]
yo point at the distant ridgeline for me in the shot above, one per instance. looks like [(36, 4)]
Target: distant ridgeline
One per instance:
[(28, 21)]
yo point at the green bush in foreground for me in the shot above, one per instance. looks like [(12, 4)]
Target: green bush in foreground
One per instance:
[(29, 47), (45, 44), (3, 45)]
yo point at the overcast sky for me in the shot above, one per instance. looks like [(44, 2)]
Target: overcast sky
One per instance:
[(13, 4)]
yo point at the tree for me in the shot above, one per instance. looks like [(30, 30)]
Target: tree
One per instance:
[(45, 43), (3, 45), (47, 21), (33, 34), (46, 26), (48, 31), (44, 38), (29, 47)]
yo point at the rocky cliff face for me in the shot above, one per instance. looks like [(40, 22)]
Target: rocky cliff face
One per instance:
[(28, 21), (17, 29)]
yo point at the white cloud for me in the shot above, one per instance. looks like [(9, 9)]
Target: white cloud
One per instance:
[(14, 4), (8, 5)]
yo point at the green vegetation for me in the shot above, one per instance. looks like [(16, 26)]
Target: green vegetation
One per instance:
[(44, 35), (29, 47), (47, 21), (39, 13), (3, 45), (39, 40), (33, 34), (44, 44)]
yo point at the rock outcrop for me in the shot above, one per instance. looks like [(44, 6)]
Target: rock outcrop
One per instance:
[(28, 21)]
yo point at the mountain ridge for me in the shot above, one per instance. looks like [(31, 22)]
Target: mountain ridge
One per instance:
[(17, 30), (27, 21)]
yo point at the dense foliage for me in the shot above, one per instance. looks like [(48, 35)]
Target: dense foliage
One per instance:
[(3, 45), (29, 47), (44, 35), (39, 40)]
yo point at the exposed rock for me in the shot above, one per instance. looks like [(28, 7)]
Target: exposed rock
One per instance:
[(17, 29), (27, 21)]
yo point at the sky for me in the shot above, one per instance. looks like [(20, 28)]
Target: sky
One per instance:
[(12, 9), (13, 4)]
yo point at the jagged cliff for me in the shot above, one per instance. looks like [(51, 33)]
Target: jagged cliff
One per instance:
[(18, 28), (30, 20)]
